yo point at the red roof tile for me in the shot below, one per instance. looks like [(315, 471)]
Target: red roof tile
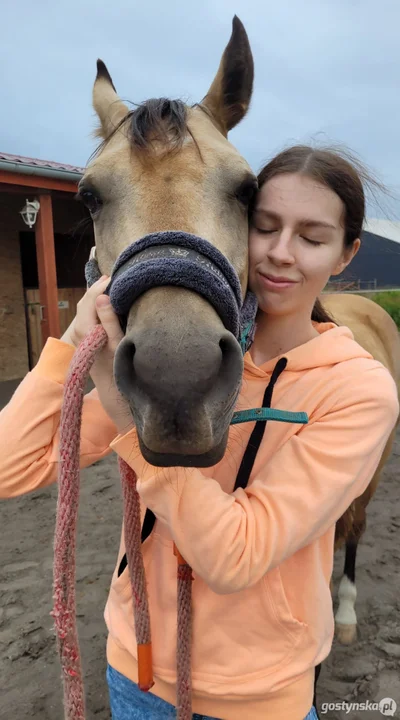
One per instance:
[(40, 163)]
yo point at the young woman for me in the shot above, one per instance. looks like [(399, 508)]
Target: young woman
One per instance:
[(262, 556)]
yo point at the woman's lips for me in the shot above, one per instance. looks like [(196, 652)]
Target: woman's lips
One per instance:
[(273, 283)]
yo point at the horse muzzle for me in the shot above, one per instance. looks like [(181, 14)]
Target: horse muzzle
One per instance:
[(181, 387)]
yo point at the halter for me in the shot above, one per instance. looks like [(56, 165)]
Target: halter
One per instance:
[(185, 260)]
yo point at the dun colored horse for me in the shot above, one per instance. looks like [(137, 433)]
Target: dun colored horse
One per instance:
[(168, 167), (375, 331)]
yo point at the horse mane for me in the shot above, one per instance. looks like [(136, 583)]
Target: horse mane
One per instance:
[(158, 120)]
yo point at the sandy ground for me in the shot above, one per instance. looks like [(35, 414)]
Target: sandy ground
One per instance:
[(30, 685)]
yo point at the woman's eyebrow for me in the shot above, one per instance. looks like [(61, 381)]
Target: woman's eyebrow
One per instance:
[(317, 223), (305, 222)]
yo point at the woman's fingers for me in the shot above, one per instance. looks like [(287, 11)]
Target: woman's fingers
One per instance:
[(109, 321), (86, 316), (87, 302), (102, 370), (99, 286)]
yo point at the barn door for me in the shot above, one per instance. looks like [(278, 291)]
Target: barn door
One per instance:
[(33, 323), (68, 299)]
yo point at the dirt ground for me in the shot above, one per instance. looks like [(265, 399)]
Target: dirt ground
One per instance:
[(30, 685)]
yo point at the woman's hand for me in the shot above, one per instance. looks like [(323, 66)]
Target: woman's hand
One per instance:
[(93, 308), (86, 317)]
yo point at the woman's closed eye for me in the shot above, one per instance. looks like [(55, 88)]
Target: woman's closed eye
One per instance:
[(265, 231), (312, 242)]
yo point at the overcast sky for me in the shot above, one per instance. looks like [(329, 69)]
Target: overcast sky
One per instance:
[(325, 70)]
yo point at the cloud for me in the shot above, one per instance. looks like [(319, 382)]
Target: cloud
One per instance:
[(328, 70)]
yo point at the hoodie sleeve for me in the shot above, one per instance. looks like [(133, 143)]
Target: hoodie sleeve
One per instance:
[(232, 540), (29, 425)]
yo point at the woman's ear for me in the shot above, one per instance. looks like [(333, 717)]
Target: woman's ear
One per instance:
[(347, 257)]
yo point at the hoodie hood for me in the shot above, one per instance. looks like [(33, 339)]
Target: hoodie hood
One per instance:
[(333, 345)]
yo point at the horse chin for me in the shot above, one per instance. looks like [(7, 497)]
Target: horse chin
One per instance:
[(207, 459)]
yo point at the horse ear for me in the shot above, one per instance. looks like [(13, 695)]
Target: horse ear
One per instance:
[(108, 106), (229, 96)]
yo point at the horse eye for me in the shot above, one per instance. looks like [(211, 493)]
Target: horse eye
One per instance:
[(246, 192), (90, 200)]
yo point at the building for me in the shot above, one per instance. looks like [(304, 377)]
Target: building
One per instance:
[(41, 267), (377, 264)]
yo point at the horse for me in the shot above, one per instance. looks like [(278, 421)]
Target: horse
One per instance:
[(166, 166), (376, 332)]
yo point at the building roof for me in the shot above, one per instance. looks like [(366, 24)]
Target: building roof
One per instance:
[(45, 164), (389, 229)]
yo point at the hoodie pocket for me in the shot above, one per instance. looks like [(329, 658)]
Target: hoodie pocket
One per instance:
[(275, 590), (243, 637)]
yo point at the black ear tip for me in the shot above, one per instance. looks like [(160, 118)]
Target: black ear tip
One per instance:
[(102, 72), (237, 23), (101, 68)]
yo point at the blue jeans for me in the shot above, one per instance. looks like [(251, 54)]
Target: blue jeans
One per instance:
[(129, 703)]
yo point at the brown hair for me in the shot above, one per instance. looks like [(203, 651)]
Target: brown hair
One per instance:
[(156, 120), (340, 172)]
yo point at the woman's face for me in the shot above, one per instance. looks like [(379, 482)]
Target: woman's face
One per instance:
[(296, 243)]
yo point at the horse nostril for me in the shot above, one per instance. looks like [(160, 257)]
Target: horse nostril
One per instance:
[(231, 362), (224, 345), (124, 370), (129, 357), (228, 345)]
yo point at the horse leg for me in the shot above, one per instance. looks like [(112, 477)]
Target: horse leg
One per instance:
[(346, 618), (349, 529)]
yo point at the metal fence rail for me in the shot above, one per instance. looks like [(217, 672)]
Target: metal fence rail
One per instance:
[(351, 285)]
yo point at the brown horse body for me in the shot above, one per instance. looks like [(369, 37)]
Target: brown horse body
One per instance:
[(375, 331)]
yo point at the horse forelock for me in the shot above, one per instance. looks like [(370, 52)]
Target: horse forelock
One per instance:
[(156, 125)]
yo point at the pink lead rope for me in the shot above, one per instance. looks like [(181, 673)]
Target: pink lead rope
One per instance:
[(64, 573)]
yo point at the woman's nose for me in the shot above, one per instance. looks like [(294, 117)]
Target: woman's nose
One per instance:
[(281, 251)]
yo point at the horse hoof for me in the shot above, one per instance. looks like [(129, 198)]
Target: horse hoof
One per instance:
[(345, 634)]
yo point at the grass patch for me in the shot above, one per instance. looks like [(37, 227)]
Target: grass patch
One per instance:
[(390, 301)]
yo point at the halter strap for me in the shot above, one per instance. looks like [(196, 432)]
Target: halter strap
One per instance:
[(183, 260)]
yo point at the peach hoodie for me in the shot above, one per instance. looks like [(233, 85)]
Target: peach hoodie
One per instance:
[(262, 557)]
